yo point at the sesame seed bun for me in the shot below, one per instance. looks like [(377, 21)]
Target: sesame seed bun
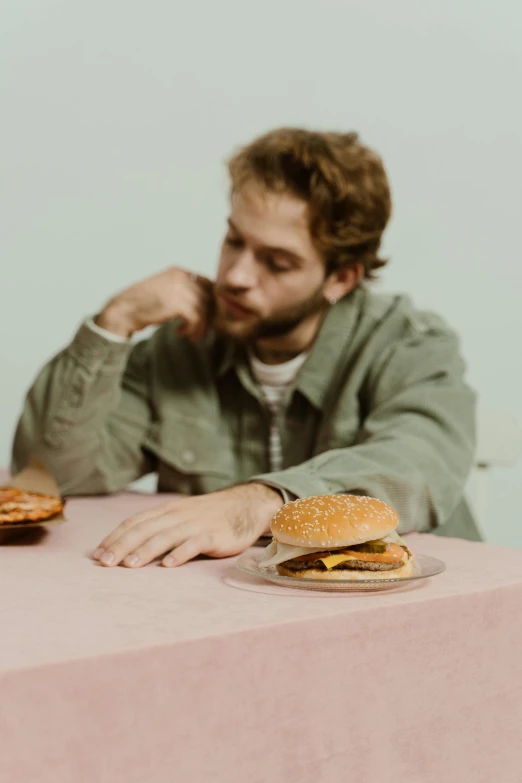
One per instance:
[(333, 521)]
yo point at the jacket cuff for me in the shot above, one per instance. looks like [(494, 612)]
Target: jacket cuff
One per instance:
[(97, 353), (298, 482), (113, 338)]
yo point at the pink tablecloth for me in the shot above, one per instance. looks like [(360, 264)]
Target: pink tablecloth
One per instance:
[(199, 675)]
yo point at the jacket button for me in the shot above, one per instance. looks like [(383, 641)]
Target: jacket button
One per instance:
[(188, 457)]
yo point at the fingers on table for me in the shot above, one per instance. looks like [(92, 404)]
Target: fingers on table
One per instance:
[(159, 544), (188, 550), (129, 536), (147, 541)]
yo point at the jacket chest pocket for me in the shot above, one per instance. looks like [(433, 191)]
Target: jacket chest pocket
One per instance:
[(194, 457)]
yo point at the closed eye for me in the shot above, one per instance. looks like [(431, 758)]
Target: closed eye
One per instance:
[(274, 265), (234, 242)]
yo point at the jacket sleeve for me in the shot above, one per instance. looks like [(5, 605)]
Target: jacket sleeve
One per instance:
[(416, 441), (87, 414)]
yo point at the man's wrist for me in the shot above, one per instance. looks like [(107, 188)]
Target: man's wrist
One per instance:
[(115, 318), (270, 499), (273, 495), (263, 502)]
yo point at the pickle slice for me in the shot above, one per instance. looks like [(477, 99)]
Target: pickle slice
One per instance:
[(374, 547)]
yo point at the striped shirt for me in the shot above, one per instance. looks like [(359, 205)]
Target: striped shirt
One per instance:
[(274, 380)]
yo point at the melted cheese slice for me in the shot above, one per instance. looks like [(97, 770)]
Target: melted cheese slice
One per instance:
[(276, 552), (395, 556), (333, 560)]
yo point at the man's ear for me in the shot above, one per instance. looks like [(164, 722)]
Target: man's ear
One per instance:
[(342, 281)]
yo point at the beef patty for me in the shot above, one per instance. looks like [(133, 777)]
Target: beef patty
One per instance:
[(359, 565)]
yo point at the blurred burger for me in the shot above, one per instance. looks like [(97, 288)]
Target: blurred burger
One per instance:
[(337, 537)]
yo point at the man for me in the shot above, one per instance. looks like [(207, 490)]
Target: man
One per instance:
[(287, 377)]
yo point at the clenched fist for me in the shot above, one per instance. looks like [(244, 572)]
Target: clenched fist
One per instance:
[(173, 293)]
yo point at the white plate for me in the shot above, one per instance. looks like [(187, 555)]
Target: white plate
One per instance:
[(424, 567)]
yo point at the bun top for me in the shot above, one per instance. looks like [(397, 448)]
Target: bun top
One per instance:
[(333, 521)]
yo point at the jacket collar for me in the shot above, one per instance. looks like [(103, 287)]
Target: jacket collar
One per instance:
[(331, 343)]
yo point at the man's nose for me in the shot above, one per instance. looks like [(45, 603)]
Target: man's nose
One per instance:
[(242, 273)]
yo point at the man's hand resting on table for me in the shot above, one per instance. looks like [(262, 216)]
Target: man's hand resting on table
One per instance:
[(219, 524)]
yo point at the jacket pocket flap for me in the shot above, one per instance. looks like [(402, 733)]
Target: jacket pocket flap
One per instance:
[(191, 446)]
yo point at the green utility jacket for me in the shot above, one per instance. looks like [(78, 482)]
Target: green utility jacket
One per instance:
[(379, 407)]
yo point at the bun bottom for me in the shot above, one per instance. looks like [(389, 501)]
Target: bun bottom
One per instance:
[(347, 574)]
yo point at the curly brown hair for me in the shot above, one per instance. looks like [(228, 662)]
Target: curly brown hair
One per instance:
[(343, 182)]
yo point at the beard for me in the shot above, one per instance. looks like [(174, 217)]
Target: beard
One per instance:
[(278, 325)]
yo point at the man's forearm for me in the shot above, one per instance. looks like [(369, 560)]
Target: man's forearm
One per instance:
[(414, 448), (421, 471), (68, 404)]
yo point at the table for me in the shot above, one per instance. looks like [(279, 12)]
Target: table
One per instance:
[(203, 674)]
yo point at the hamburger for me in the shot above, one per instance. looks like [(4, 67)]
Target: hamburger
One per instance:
[(337, 537)]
